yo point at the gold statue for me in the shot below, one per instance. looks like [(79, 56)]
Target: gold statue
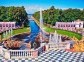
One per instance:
[(79, 44)]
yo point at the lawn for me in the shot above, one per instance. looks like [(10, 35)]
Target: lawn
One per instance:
[(18, 31), (63, 32), (59, 31), (21, 30)]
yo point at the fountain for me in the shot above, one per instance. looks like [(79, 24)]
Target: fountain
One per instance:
[(41, 19), (6, 33), (3, 34), (55, 38), (42, 33), (60, 38), (41, 26), (11, 31)]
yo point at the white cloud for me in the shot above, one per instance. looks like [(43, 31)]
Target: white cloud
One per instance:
[(33, 8)]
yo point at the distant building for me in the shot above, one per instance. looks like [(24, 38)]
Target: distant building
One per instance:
[(71, 26), (7, 25)]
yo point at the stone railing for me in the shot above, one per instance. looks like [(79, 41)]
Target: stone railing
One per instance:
[(32, 53), (63, 45), (23, 53), (10, 54), (41, 50)]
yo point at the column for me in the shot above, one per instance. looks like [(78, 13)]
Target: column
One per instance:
[(14, 25), (2, 27), (8, 25), (0, 37), (5, 24)]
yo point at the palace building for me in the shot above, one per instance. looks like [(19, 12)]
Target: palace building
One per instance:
[(71, 26), (7, 25)]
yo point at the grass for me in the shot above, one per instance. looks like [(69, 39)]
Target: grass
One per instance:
[(59, 31), (18, 31), (21, 30), (63, 32)]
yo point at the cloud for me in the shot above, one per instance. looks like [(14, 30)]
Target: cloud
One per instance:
[(32, 9)]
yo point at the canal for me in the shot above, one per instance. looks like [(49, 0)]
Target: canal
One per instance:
[(34, 32)]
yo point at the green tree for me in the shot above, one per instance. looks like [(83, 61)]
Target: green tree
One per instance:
[(52, 15), (17, 14)]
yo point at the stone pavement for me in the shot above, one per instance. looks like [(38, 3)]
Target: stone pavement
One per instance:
[(51, 56)]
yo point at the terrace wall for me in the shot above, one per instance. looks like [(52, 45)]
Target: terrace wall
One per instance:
[(62, 45), (31, 53)]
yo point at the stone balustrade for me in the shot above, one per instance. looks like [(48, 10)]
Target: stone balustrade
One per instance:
[(23, 53), (41, 50), (31, 53), (62, 45), (12, 54)]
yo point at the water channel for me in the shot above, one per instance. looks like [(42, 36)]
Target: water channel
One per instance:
[(34, 32)]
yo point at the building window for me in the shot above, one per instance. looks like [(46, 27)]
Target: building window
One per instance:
[(9, 25), (58, 25), (68, 25), (0, 25), (12, 25), (61, 26), (3, 25), (71, 25), (6, 25), (64, 25)]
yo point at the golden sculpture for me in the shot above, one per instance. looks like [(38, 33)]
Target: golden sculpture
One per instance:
[(79, 44), (12, 44)]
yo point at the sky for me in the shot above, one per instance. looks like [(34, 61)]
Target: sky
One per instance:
[(32, 6)]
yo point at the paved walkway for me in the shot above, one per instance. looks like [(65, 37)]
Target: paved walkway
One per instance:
[(52, 56)]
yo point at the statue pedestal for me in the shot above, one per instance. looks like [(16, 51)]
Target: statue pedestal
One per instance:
[(1, 50), (47, 47), (6, 54), (68, 46)]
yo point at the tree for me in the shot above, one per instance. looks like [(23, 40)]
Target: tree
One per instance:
[(52, 15), (17, 14)]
